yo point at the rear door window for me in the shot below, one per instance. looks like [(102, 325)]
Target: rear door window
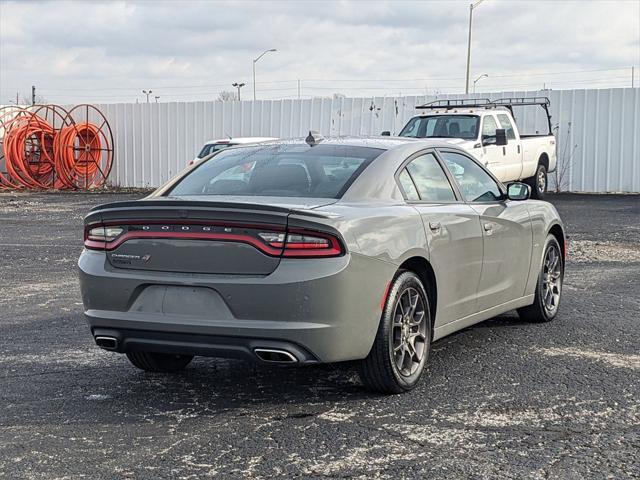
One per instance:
[(430, 179), (408, 187)]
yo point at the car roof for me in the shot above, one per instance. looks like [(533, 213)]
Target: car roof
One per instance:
[(379, 142), (240, 140)]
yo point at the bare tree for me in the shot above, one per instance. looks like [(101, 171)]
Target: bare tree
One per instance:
[(565, 158), (227, 96)]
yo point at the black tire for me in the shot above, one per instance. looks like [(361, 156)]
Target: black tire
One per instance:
[(159, 362), (539, 183), (379, 372), (540, 310)]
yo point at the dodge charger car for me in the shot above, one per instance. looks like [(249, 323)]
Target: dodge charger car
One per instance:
[(319, 250)]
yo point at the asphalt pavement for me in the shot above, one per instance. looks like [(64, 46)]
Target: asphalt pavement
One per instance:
[(503, 399)]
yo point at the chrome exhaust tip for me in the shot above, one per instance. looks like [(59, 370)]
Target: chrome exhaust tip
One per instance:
[(107, 343), (273, 355)]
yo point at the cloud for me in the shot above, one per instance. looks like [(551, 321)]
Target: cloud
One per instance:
[(109, 51)]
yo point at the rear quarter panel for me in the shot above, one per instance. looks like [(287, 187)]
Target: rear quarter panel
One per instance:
[(533, 148)]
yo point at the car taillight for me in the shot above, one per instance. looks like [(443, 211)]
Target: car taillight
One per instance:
[(96, 238), (302, 243), (104, 234)]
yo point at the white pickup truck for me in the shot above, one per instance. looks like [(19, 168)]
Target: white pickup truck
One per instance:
[(487, 130)]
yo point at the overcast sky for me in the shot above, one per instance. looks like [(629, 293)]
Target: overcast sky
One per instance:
[(191, 50)]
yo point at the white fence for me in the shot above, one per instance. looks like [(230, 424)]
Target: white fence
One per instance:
[(598, 131)]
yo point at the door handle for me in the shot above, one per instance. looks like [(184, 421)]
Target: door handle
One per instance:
[(435, 226)]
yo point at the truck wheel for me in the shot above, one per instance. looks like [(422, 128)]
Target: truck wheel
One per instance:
[(159, 362), (401, 347), (538, 183)]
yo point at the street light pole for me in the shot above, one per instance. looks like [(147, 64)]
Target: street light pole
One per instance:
[(255, 60), (471, 7), (147, 93), (238, 86), (484, 75)]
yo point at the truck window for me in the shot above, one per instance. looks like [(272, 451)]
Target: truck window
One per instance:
[(489, 126), (505, 123), (442, 126)]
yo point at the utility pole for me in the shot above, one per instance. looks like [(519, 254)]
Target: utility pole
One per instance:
[(238, 86), (471, 7), (17, 99), (255, 60), (298, 89), (157, 97), (33, 94)]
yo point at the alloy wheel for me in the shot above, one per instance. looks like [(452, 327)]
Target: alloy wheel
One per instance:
[(551, 279), (409, 332)]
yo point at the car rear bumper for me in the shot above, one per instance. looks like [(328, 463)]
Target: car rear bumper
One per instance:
[(319, 310)]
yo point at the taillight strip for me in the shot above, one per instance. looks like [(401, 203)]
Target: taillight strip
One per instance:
[(227, 237), (276, 249)]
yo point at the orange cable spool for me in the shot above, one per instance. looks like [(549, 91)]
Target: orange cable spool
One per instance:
[(46, 147)]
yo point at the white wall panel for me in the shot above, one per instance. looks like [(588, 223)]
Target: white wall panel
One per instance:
[(599, 129)]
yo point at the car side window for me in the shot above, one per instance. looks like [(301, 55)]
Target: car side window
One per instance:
[(506, 124), (430, 180), (408, 186), (476, 185)]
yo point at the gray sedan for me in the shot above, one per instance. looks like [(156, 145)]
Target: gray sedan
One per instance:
[(319, 250)]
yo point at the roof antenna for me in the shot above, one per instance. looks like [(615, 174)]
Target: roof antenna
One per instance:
[(313, 138)]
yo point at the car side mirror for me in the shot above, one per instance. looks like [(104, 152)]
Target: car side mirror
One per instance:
[(386, 133), (518, 191), (501, 137)]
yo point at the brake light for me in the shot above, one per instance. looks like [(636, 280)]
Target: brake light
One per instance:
[(104, 234), (303, 243), (97, 237)]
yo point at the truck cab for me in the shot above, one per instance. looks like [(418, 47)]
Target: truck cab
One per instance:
[(488, 130)]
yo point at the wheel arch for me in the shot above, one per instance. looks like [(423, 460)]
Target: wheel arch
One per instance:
[(543, 159), (557, 231), (421, 267)]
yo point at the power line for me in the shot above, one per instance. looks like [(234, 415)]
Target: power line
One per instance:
[(325, 80)]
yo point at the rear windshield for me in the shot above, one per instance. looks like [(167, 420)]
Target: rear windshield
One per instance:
[(320, 171), (213, 147), (442, 126)]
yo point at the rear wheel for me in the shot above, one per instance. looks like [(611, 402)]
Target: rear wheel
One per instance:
[(549, 288), (159, 362), (401, 347), (538, 182)]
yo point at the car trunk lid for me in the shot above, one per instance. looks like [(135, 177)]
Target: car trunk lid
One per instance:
[(196, 236)]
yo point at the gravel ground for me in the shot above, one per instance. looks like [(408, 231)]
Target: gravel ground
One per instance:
[(504, 399)]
